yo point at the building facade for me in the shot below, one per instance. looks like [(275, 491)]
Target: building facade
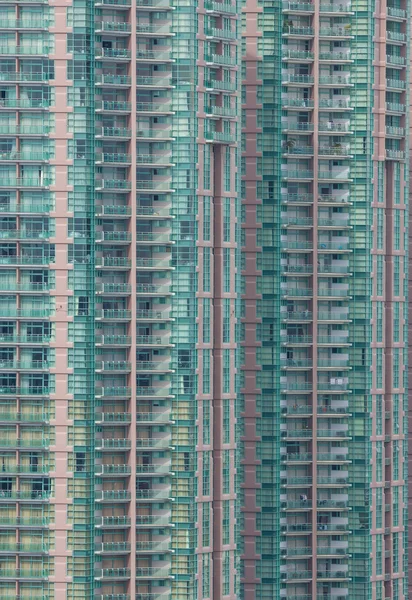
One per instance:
[(118, 307), (325, 190)]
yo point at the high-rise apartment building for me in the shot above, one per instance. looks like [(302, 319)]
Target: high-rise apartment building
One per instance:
[(159, 440), (325, 189), (118, 257)]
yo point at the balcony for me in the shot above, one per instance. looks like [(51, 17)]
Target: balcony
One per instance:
[(116, 574), (113, 315), (25, 391), (297, 434), (334, 340), (333, 315), (113, 106), (297, 127), (395, 37), (113, 262), (33, 496), (296, 576), (334, 80), (114, 4), (34, 50), (153, 443), (112, 340), (117, 522), (113, 417), (120, 366), (153, 470), (295, 457), (113, 210), (152, 340), (221, 137), (220, 85), (297, 199), (147, 29), (24, 77), (342, 31), (113, 443), (324, 246), (297, 411), (113, 548), (144, 521), (25, 182), (114, 158), (299, 80), (25, 417), (117, 54), (27, 104), (291, 293), (154, 82), (26, 574), (298, 7), (150, 418), (301, 175), (27, 23), (298, 32), (153, 573), (296, 481), (25, 339), (394, 154), (220, 7), (113, 26), (335, 8), (297, 270), (220, 59), (112, 469), (291, 102), (146, 547), (396, 84), (298, 528), (113, 392), (113, 237), (305, 363), (296, 505), (396, 13), (112, 496), (297, 55), (296, 246), (396, 61), (296, 340), (220, 34), (152, 495), (113, 288), (154, 107), (113, 132)]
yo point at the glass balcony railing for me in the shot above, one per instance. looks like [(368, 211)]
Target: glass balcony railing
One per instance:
[(12, 50), (220, 7), (114, 573), (113, 495), (113, 26), (113, 53), (113, 391), (117, 417), (22, 77), (297, 7), (221, 59), (113, 132), (110, 444), (113, 236), (109, 79)]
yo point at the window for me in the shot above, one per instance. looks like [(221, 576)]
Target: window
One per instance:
[(226, 270), (206, 166), (206, 421), (206, 320), (226, 421), (206, 523), (226, 320), (226, 471), (206, 269), (206, 474), (206, 371), (227, 169), (226, 371), (226, 219), (206, 218)]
